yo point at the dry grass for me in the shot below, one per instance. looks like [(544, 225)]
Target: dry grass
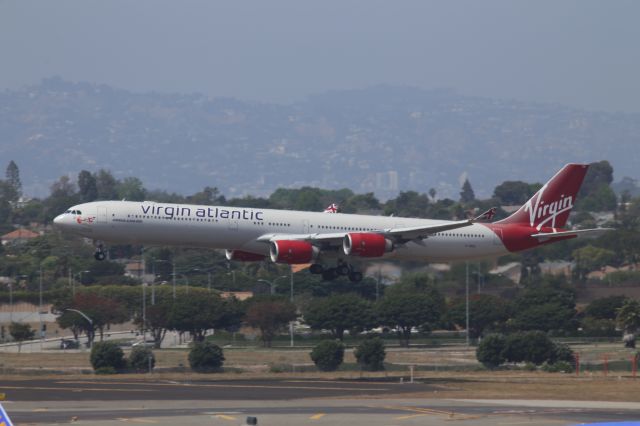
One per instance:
[(254, 363)]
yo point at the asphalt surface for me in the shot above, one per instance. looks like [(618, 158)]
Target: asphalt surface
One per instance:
[(280, 402), (144, 390)]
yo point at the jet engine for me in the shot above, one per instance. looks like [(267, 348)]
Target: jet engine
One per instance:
[(366, 245), (292, 251), (243, 256)]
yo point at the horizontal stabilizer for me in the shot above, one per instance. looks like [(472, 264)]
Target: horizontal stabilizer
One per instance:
[(595, 232)]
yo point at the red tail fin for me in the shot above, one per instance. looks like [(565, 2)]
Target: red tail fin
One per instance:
[(551, 205)]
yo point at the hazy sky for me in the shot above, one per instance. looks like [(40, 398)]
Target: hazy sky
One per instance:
[(580, 53)]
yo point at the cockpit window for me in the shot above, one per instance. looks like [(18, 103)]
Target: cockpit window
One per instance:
[(78, 212), (68, 211)]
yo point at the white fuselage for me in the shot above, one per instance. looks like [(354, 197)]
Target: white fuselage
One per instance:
[(238, 228)]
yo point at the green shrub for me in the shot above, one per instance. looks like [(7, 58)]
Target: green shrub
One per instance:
[(558, 367), (107, 354), (531, 346), (370, 355), (490, 351), (561, 353), (328, 355), (106, 370), (206, 357), (141, 359)]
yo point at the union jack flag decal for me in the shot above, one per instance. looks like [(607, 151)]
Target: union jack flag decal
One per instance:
[(332, 208)]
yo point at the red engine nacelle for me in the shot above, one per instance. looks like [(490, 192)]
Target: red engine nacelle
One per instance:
[(292, 251), (243, 256), (366, 245)]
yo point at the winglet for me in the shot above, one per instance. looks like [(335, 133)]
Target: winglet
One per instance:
[(486, 216)]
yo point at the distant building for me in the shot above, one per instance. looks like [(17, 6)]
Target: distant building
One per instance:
[(240, 295), (512, 270), (19, 236), (134, 269), (557, 268)]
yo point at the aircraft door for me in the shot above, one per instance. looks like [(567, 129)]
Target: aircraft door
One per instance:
[(305, 226), (232, 225), (102, 214)]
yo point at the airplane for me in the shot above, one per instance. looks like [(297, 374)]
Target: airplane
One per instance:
[(323, 240)]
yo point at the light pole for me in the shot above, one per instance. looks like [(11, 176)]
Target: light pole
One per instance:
[(291, 299), (272, 284), (174, 282), (11, 295), (467, 298), (85, 316), (144, 313), (153, 282)]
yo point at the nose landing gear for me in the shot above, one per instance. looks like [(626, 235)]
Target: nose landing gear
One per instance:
[(100, 252)]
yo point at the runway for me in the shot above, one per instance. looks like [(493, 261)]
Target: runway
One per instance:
[(280, 402)]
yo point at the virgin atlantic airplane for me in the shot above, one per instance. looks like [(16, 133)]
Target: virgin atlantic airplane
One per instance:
[(331, 243)]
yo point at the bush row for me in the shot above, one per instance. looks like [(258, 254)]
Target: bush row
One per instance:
[(533, 347)]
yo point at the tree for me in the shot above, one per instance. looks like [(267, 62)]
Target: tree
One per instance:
[(490, 351), (21, 332), (13, 179), (338, 313), (270, 316), (106, 185), (101, 310), (485, 311), (158, 323), (198, 312), (628, 317), (409, 204), (514, 193), (206, 357), (370, 354), (595, 192), (545, 308), (590, 258), (466, 194), (87, 186), (405, 306), (328, 355), (107, 355), (131, 189), (605, 307)]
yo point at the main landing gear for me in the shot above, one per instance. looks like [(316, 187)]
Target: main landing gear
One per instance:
[(100, 252), (342, 269)]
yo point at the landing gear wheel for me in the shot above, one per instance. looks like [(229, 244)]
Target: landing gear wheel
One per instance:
[(316, 268), (99, 254), (343, 269), (355, 277), (329, 274)]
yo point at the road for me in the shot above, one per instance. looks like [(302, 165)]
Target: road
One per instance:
[(280, 402)]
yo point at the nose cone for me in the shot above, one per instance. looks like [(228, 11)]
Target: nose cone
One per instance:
[(58, 221)]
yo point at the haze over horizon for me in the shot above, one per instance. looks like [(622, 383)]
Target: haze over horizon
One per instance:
[(580, 54)]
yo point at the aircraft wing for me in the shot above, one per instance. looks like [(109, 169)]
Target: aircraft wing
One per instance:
[(4, 417), (399, 235), (595, 232)]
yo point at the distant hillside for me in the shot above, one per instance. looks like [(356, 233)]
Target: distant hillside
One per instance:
[(381, 139)]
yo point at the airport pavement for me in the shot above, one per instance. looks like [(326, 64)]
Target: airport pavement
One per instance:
[(281, 402)]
